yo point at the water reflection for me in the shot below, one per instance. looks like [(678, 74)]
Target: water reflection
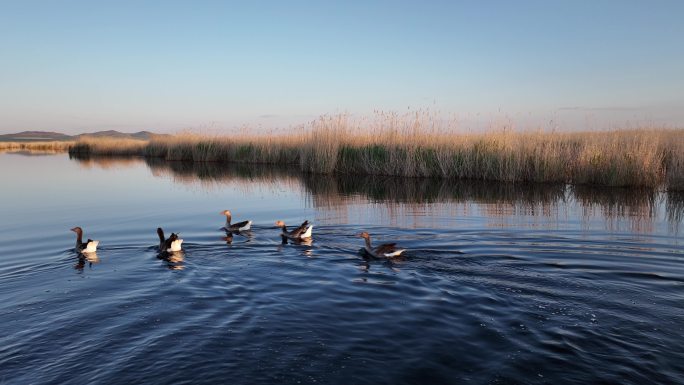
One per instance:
[(674, 208), (522, 303), (32, 152), (411, 201), (209, 175), (299, 242), (174, 259), (330, 191), (106, 162), (86, 258), (615, 204)]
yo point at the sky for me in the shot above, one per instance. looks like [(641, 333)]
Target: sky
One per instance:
[(165, 66)]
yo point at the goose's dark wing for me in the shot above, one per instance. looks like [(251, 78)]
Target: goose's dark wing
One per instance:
[(385, 248), (299, 230), (169, 241), (237, 226)]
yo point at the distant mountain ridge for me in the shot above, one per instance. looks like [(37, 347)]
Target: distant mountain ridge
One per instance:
[(49, 136)]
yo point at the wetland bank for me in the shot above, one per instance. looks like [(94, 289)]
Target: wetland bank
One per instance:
[(421, 145)]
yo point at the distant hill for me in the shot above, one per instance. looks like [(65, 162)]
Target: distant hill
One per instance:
[(144, 135), (37, 136), (48, 136)]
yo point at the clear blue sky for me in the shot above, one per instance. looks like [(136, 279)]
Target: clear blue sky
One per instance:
[(75, 66)]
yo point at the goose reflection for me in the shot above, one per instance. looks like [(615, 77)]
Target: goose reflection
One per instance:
[(229, 236), (306, 251), (92, 258), (365, 269), (83, 258), (298, 242), (174, 259)]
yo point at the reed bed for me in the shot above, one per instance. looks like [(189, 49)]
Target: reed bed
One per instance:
[(52, 147), (108, 146), (257, 148), (421, 145)]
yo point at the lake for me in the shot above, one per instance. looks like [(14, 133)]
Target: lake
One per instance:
[(500, 283)]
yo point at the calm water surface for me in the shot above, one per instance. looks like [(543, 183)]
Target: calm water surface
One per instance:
[(502, 284)]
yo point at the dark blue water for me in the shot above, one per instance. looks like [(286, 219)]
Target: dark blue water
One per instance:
[(501, 284)]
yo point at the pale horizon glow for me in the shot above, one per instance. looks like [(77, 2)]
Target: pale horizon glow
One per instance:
[(166, 66)]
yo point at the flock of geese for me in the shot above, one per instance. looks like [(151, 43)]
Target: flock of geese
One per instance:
[(303, 233)]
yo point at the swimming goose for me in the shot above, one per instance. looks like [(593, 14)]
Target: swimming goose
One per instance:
[(88, 246), (300, 233), (235, 227), (387, 250), (173, 243)]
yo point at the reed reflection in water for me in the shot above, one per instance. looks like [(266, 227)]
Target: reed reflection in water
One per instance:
[(409, 202)]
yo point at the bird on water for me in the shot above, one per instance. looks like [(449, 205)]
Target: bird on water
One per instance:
[(88, 246), (386, 250)]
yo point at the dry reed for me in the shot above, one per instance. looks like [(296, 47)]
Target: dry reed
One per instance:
[(108, 146), (420, 145), (53, 147)]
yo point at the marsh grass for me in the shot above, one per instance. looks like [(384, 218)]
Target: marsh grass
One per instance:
[(673, 160), (420, 145), (52, 147), (108, 146)]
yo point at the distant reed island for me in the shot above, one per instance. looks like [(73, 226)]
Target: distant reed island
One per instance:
[(416, 146)]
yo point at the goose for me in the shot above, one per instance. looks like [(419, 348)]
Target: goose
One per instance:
[(235, 227), (88, 246), (387, 250), (302, 232), (173, 243)]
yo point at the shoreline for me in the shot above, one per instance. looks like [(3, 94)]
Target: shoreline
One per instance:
[(650, 157)]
